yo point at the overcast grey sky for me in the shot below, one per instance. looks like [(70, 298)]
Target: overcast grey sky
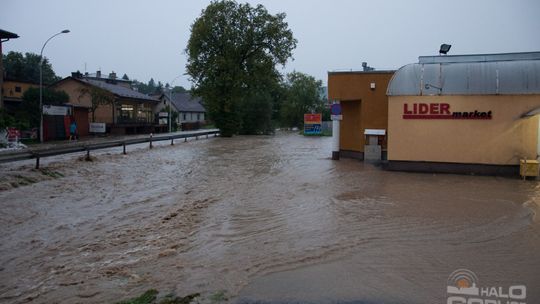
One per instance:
[(147, 38)]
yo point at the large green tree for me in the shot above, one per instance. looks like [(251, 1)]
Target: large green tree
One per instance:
[(26, 68), (98, 97), (302, 95), (232, 53), (28, 114)]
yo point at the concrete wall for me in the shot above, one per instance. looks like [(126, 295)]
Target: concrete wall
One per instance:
[(362, 107), (502, 140)]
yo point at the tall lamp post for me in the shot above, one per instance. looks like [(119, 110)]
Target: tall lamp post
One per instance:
[(170, 101), (41, 84)]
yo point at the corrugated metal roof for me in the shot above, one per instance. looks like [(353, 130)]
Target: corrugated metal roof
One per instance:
[(480, 57), (510, 74), (337, 72)]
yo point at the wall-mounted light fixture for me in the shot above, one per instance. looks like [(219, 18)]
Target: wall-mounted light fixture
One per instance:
[(428, 86), (444, 48)]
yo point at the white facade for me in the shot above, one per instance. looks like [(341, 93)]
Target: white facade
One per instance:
[(191, 117)]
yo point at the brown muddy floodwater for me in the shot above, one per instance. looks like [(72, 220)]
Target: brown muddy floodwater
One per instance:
[(268, 219)]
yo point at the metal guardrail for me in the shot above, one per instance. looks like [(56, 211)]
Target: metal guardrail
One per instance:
[(54, 151)]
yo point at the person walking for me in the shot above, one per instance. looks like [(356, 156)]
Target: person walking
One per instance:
[(73, 130)]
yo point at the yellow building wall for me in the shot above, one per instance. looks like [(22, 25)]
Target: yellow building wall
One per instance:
[(9, 88), (73, 89), (502, 140), (362, 107)]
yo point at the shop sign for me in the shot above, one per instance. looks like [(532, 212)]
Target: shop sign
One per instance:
[(97, 127), (55, 110), (312, 124), (440, 111)]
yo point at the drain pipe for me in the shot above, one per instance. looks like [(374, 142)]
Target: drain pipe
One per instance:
[(335, 132)]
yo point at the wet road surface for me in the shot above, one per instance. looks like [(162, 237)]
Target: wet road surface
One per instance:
[(266, 219)]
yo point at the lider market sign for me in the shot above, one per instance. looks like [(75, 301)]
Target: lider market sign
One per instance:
[(439, 111)]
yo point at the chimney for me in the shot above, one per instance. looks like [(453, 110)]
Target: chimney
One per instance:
[(98, 74), (76, 74), (112, 75)]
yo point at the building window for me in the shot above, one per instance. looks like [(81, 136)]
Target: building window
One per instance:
[(144, 113), (198, 117), (18, 89), (126, 113), (184, 115)]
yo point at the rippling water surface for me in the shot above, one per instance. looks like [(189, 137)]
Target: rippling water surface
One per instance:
[(264, 218)]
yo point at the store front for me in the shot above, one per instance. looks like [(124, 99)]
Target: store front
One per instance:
[(465, 114), (364, 106)]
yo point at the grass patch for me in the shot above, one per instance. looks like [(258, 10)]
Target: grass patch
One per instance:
[(172, 299), (24, 180), (210, 126), (51, 173), (146, 298), (218, 297), (150, 297)]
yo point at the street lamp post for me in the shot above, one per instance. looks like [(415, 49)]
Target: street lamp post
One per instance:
[(170, 106), (170, 101), (41, 84)]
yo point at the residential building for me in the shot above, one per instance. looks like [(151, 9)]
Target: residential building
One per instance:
[(130, 112), (4, 36), (191, 112), (12, 92)]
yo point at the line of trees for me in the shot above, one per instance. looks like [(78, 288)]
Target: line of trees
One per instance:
[(25, 67), (153, 88), (233, 53)]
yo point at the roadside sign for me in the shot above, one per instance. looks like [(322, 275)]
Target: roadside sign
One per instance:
[(312, 118), (97, 127), (55, 110), (313, 124), (13, 133), (335, 109)]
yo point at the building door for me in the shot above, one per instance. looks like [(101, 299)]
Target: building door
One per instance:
[(351, 135), (81, 118)]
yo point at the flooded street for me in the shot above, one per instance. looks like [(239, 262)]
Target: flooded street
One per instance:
[(268, 218)]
